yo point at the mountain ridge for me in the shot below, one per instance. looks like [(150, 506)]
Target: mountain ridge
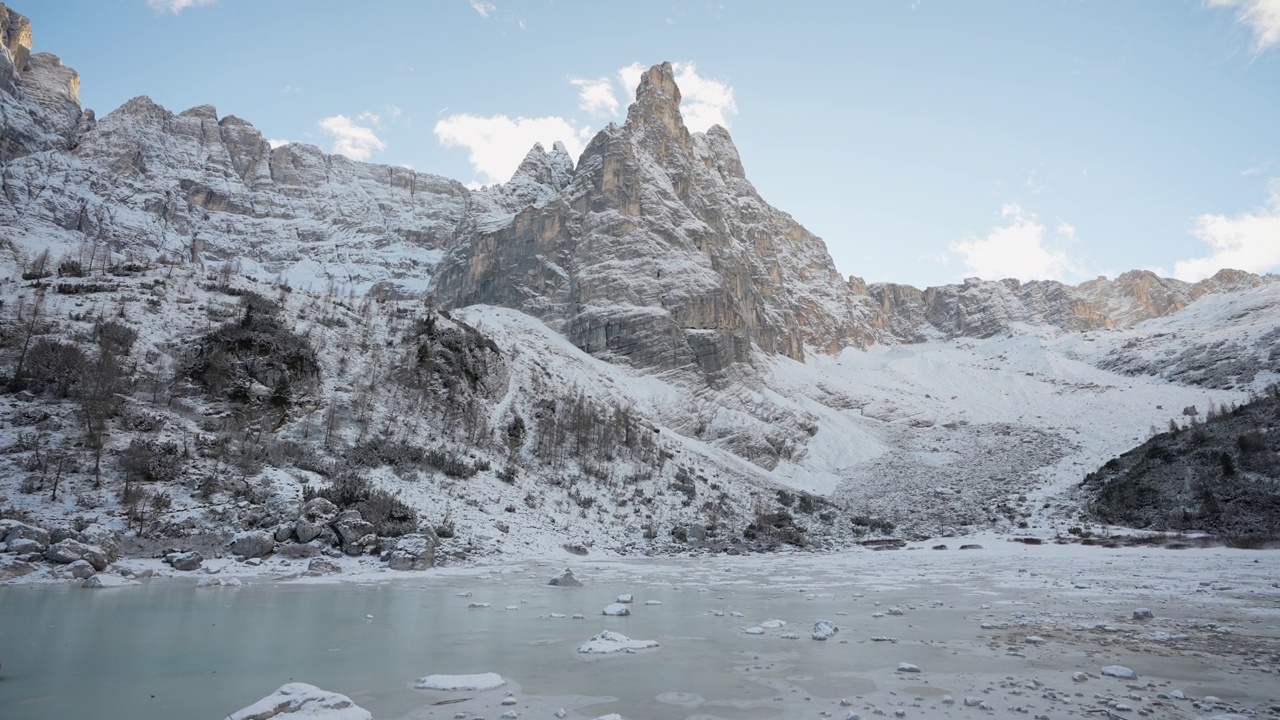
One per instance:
[(630, 351)]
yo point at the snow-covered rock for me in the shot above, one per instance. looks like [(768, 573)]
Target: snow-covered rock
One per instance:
[(252, 544), (69, 550), (609, 641), (1119, 671), (565, 578), (413, 552), (824, 629), (616, 609), (302, 700)]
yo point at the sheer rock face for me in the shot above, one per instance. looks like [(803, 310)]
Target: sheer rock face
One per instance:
[(146, 182), (39, 96), (653, 249), (659, 253)]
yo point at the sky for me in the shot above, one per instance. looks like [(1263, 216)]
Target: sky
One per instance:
[(925, 141)]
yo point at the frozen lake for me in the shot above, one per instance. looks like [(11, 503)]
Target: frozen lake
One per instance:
[(166, 648)]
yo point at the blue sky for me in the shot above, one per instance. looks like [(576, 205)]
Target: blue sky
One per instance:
[(925, 141)]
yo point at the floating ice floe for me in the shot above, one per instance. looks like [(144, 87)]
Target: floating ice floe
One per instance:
[(908, 668), (773, 624), (477, 605), (479, 681), (609, 641), (617, 609), (624, 598), (753, 630), (302, 700), (652, 602), (824, 629)]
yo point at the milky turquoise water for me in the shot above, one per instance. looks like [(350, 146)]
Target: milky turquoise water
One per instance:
[(167, 649)]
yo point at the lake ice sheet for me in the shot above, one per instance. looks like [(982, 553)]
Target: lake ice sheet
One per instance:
[(168, 649)]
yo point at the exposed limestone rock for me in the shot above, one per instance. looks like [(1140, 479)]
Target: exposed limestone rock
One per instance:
[(68, 551), (253, 544), (660, 254), (413, 552)]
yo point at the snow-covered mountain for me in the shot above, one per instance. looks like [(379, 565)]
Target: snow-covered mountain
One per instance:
[(620, 351)]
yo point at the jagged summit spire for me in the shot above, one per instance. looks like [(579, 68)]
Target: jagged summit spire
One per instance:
[(658, 102)]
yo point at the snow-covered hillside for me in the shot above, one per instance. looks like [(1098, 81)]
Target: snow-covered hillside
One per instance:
[(630, 353)]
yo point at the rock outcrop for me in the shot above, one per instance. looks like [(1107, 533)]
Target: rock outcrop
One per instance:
[(658, 252)]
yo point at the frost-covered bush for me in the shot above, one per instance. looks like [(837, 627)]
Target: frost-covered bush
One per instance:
[(256, 351)]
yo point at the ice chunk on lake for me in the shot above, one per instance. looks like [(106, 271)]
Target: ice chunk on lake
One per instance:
[(773, 624), (624, 598), (480, 681), (824, 629), (302, 700), (617, 609), (610, 642)]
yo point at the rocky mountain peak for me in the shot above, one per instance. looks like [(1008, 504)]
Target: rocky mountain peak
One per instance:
[(655, 115)]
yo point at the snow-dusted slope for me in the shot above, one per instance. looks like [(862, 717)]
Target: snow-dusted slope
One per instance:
[(665, 355)]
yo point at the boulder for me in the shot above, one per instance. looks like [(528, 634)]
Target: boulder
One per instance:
[(323, 566), (284, 532), (319, 508), (308, 530), (565, 578), (1143, 614), (68, 551), (15, 569), (617, 609), (367, 544), (351, 529), (302, 700), (252, 544), (1119, 671), (102, 537), (80, 569), (413, 552), (185, 560), (22, 531), (23, 546)]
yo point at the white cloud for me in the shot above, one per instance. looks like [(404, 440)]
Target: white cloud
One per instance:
[(482, 7), (703, 102), (1262, 17), (176, 6), (1021, 248), (355, 141), (596, 96), (1249, 241), (496, 145)]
